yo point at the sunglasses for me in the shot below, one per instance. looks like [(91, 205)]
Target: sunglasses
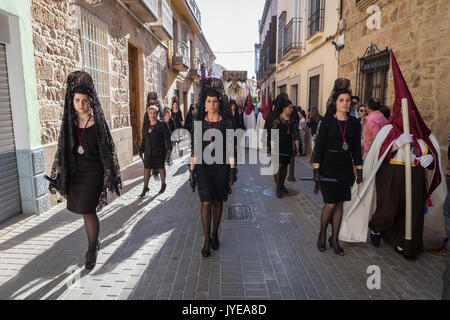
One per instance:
[(362, 110)]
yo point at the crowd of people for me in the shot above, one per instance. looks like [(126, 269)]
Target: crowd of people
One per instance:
[(358, 158)]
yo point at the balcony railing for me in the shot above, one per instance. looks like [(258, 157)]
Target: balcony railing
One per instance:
[(316, 22), (195, 70), (163, 28), (181, 54), (196, 11), (292, 35)]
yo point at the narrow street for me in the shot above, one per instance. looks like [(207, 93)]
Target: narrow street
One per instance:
[(151, 249)]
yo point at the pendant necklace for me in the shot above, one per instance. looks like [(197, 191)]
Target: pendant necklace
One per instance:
[(80, 148), (344, 144)]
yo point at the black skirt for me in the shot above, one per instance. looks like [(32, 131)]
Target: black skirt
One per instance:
[(86, 184), (154, 162), (337, 165), (213, 182)]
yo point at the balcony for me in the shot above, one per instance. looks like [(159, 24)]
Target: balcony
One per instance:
[(195, 72), (163, 28), (181, 57), (145, 10), (291, 40), (196, 11)]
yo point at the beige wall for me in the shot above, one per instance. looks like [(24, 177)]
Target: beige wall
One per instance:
[(418, 33)]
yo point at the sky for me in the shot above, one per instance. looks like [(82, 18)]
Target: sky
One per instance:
[(232, 25)]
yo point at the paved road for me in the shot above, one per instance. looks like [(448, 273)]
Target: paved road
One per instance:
[(151, 249)]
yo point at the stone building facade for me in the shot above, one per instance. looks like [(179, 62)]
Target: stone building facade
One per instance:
[(116, 43), (417, 31)]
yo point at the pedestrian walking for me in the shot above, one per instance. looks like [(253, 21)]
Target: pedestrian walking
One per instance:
[(288, 132), (156, 147), (189, 122), (338, 148), (85, 164), (214, 179), (303, 129)]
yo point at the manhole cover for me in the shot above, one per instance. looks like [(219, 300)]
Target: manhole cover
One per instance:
[(240, 212)]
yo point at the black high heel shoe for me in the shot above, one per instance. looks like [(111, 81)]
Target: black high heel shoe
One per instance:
[(144, 192), (321, 246), (206, 253), (163, 188), (91, 258), (284, 189), (337, 250), (215, 244)]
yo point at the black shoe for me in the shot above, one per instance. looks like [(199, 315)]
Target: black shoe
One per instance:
[(206, 252), (375, 238), (144, 192), (337, 250), (401, 252), (278, 193), (91, 257), (215, 242), (163, 188), (284, 189), (321, 246)]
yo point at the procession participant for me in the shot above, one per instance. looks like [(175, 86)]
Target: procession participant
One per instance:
[(288, 134), (373, 123), (215, 179), (85, 164), (169, 120), (337, 150), (156, 147), (176, 114), (260, 124), (250, 140), (190, 117), (381, 197)]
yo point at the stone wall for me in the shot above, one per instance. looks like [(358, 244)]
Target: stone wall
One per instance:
[(57, 44), (417, 32)]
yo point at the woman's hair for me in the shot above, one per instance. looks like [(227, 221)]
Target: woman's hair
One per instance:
[(303, 113), (224, 108), (332, 108), (385, 111), (281, 102), (80, 90)]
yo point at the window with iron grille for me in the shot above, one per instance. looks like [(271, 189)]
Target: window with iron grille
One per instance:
[(316, 17), (373, 72), (94, 47)]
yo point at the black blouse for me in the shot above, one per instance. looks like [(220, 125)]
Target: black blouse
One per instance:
[(329, 137), (227, 137)]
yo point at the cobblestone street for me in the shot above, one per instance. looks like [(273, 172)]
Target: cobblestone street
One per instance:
[(151, 249)]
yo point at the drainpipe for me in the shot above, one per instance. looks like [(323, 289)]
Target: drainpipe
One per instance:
[(123, 5)]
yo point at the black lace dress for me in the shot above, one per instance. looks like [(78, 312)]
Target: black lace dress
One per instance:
[(288, 133), (213, 177), (86, 184)]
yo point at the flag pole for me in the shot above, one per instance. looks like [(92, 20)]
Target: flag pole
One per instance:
[(408, 192)]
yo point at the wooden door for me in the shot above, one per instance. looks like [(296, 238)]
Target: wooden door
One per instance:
[(135, 118)]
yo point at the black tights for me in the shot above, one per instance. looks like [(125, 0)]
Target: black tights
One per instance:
[(148, 173), (280, 176), (331, 212), (92, 225), (216, 207)]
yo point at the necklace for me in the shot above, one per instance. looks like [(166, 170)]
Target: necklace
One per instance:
[(80, 148), (344, 144), (209, 125)]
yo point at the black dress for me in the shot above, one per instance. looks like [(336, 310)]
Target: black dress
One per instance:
[(155, 144), (288, 133), (86, 184), (334, 161), (213, 178)]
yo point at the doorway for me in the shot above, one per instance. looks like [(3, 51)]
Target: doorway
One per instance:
[(134, 95)]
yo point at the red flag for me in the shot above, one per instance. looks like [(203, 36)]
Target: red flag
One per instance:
[(417, 126)]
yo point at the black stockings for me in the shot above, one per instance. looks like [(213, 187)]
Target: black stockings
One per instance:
[(331, 213), (206, 207), (280, 176), (92, 225), (162, 173), (147, 173)]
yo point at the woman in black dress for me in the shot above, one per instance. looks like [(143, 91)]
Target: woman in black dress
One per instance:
[(288, 134), (215, 179), (169, 120), (190, 118), (176, 114), (156, 147), (337, 150), (85, 164)]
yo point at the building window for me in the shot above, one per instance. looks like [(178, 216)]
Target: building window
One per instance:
[(373, 71), (94, 46), (281, 25), (316, 17), (314, 92), (157, 77)]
